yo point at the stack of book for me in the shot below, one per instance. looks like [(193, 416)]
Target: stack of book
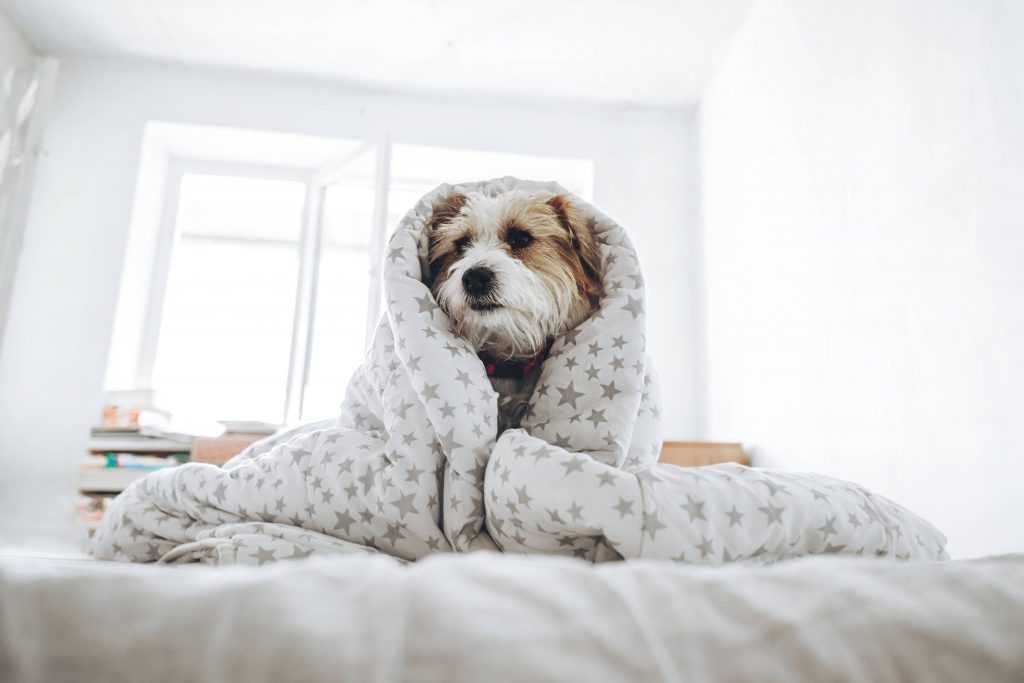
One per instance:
[(138, 434), (132, 440), (117, 457)]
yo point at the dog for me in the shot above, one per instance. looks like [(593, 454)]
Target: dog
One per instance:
[(513, 271)]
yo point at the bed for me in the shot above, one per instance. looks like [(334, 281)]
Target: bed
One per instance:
[(486, 616), (362, 548)]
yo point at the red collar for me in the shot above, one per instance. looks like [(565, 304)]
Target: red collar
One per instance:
[(512, 368)]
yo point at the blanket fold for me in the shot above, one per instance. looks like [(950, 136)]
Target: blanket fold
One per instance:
[(414, 465)]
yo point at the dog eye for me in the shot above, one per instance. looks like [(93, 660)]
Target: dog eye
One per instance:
[(518, 238), (461, 244)]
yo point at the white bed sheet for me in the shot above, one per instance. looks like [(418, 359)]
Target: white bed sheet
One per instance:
[(491, 617)]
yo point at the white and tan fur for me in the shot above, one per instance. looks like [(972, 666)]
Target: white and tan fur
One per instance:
[(512, 271)]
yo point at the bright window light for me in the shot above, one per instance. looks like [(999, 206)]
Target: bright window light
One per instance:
[(343, 293), (264, 282), (226, 331)]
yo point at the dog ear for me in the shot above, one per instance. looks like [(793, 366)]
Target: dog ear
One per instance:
[(579, 229), (446, 210)]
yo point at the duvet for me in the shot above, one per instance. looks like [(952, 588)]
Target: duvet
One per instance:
[(414, 464)]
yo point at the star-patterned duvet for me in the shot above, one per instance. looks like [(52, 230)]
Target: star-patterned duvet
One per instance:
[(414, 464)]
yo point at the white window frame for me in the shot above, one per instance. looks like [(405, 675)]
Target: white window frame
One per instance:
[(310, 244), (172, 149)]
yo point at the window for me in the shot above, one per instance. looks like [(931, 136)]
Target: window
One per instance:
[(265, 279), (225, 334), (345, 295)]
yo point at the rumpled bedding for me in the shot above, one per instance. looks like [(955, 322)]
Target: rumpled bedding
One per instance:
[(504, 617), (414, 464)]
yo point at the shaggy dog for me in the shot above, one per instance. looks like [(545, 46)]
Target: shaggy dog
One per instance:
[(513, 271)]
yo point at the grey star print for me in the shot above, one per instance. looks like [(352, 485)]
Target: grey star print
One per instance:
[(414, 464)]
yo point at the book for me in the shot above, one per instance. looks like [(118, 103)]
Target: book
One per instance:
[(100, 430), (108, 479), (248, 427), (112, 472), (137, 435), (133, 460), (129, 443)]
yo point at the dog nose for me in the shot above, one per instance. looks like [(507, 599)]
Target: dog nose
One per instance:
[(477, 281)]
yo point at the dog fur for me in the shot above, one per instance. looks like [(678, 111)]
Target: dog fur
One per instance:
[(513, 271)]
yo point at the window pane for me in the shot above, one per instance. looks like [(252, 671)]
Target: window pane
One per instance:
[(343, 289), (348, 214), (250, 208), (339, 330), (225, 335)]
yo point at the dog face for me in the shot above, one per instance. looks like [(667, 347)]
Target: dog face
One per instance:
[(512, 270)]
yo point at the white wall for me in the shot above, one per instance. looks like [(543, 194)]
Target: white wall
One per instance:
[(862, 180), (52, 367)]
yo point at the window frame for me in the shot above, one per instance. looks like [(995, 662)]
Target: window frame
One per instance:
[(138, 324), (310, 244)]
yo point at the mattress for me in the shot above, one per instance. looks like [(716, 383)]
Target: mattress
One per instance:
[(487, 616)]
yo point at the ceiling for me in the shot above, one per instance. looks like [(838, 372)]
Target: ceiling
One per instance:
[(650, 52)]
